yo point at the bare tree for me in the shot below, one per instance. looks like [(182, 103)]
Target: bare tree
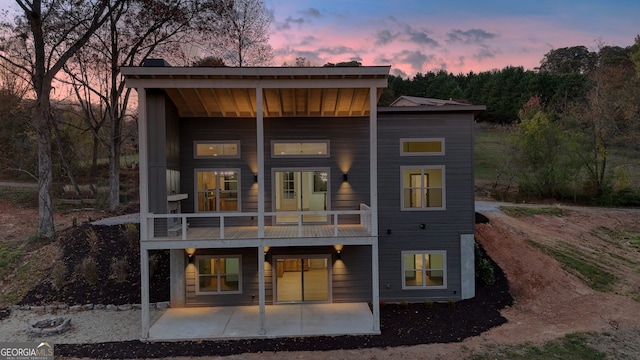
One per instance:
[(16, 153), (38, 43), (133, 32), (245, 41)]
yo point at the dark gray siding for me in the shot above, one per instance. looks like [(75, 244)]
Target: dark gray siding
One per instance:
[(249, 294), (442, 227), (351, 275), (216, 129), (349, 152), (163, 139)]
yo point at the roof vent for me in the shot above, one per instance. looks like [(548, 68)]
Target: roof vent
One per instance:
[(155, 63)]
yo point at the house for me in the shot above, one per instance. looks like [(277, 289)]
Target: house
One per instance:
[(406, 100), (281, 189)]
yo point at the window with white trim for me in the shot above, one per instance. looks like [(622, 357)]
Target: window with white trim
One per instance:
[(217, 189), (217, 274), (306, 148), (424, 270), (216, 149), (423, 187), (421, 147)]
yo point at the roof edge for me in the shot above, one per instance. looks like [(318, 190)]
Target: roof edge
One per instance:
[(256, 71), (427, 108)]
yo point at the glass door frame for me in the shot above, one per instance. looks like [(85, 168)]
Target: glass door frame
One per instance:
[(275, 184), (274, 267)]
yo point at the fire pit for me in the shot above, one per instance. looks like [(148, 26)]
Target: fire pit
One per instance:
[(52, 326)]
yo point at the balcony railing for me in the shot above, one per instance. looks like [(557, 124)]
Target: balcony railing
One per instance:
[(214, 225)]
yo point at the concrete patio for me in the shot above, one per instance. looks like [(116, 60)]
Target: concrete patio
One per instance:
[(241, 322)]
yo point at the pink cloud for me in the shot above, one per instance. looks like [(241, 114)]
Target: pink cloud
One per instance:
[(410, 47)]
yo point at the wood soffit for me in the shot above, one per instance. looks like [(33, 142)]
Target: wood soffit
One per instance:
[(286, 92)]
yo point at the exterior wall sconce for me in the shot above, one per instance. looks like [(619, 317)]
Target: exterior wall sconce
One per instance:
[(190, 252), (345, 177), (266, 255), (338, 251), (388, 231), (255, 178), (423, 226)]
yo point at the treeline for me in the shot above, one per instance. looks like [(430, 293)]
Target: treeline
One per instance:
[(564, 78), (574, 123)]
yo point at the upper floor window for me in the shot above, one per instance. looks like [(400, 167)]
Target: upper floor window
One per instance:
[(423, 187), (422, 147), (217, 189), (424, 270), (216, 149), (219, 275), (307, 148)]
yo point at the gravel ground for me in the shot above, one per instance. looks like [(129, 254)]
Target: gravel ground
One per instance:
[(89, 326)]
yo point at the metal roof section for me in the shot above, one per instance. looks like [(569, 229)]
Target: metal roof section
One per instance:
[(422, 101)]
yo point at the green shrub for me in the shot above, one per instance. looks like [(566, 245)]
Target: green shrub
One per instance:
[(484, 267), (429, 304), (58, 275), (132, 235), (485, 272), (93, 241), (88, 270), (119, 269)]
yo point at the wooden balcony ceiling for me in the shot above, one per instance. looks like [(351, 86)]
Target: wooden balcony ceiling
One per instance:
[(287, 92), (276, 102)]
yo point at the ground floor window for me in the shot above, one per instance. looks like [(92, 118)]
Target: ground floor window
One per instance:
[(219, 275), (424, 270)]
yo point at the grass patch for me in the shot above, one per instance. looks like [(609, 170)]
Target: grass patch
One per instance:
[(597, 278), (628, 260), (489, 152), (20, 197), (26, 276), (9, 255), (634, 241), (570, 347), (620, 238), (525, 211)]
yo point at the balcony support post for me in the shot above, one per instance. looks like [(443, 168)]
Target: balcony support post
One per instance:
[(373, 184), (260, 148), (261, 289)]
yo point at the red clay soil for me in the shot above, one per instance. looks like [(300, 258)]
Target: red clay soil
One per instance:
[(548, 301)]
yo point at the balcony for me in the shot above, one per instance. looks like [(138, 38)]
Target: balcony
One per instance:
[(221, 229)]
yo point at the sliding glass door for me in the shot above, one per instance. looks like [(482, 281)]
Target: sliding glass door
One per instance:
[(302, 279)]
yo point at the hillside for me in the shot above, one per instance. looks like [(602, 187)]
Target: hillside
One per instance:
[(595, 287)]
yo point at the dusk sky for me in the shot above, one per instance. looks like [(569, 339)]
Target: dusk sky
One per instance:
[(456, 36)]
